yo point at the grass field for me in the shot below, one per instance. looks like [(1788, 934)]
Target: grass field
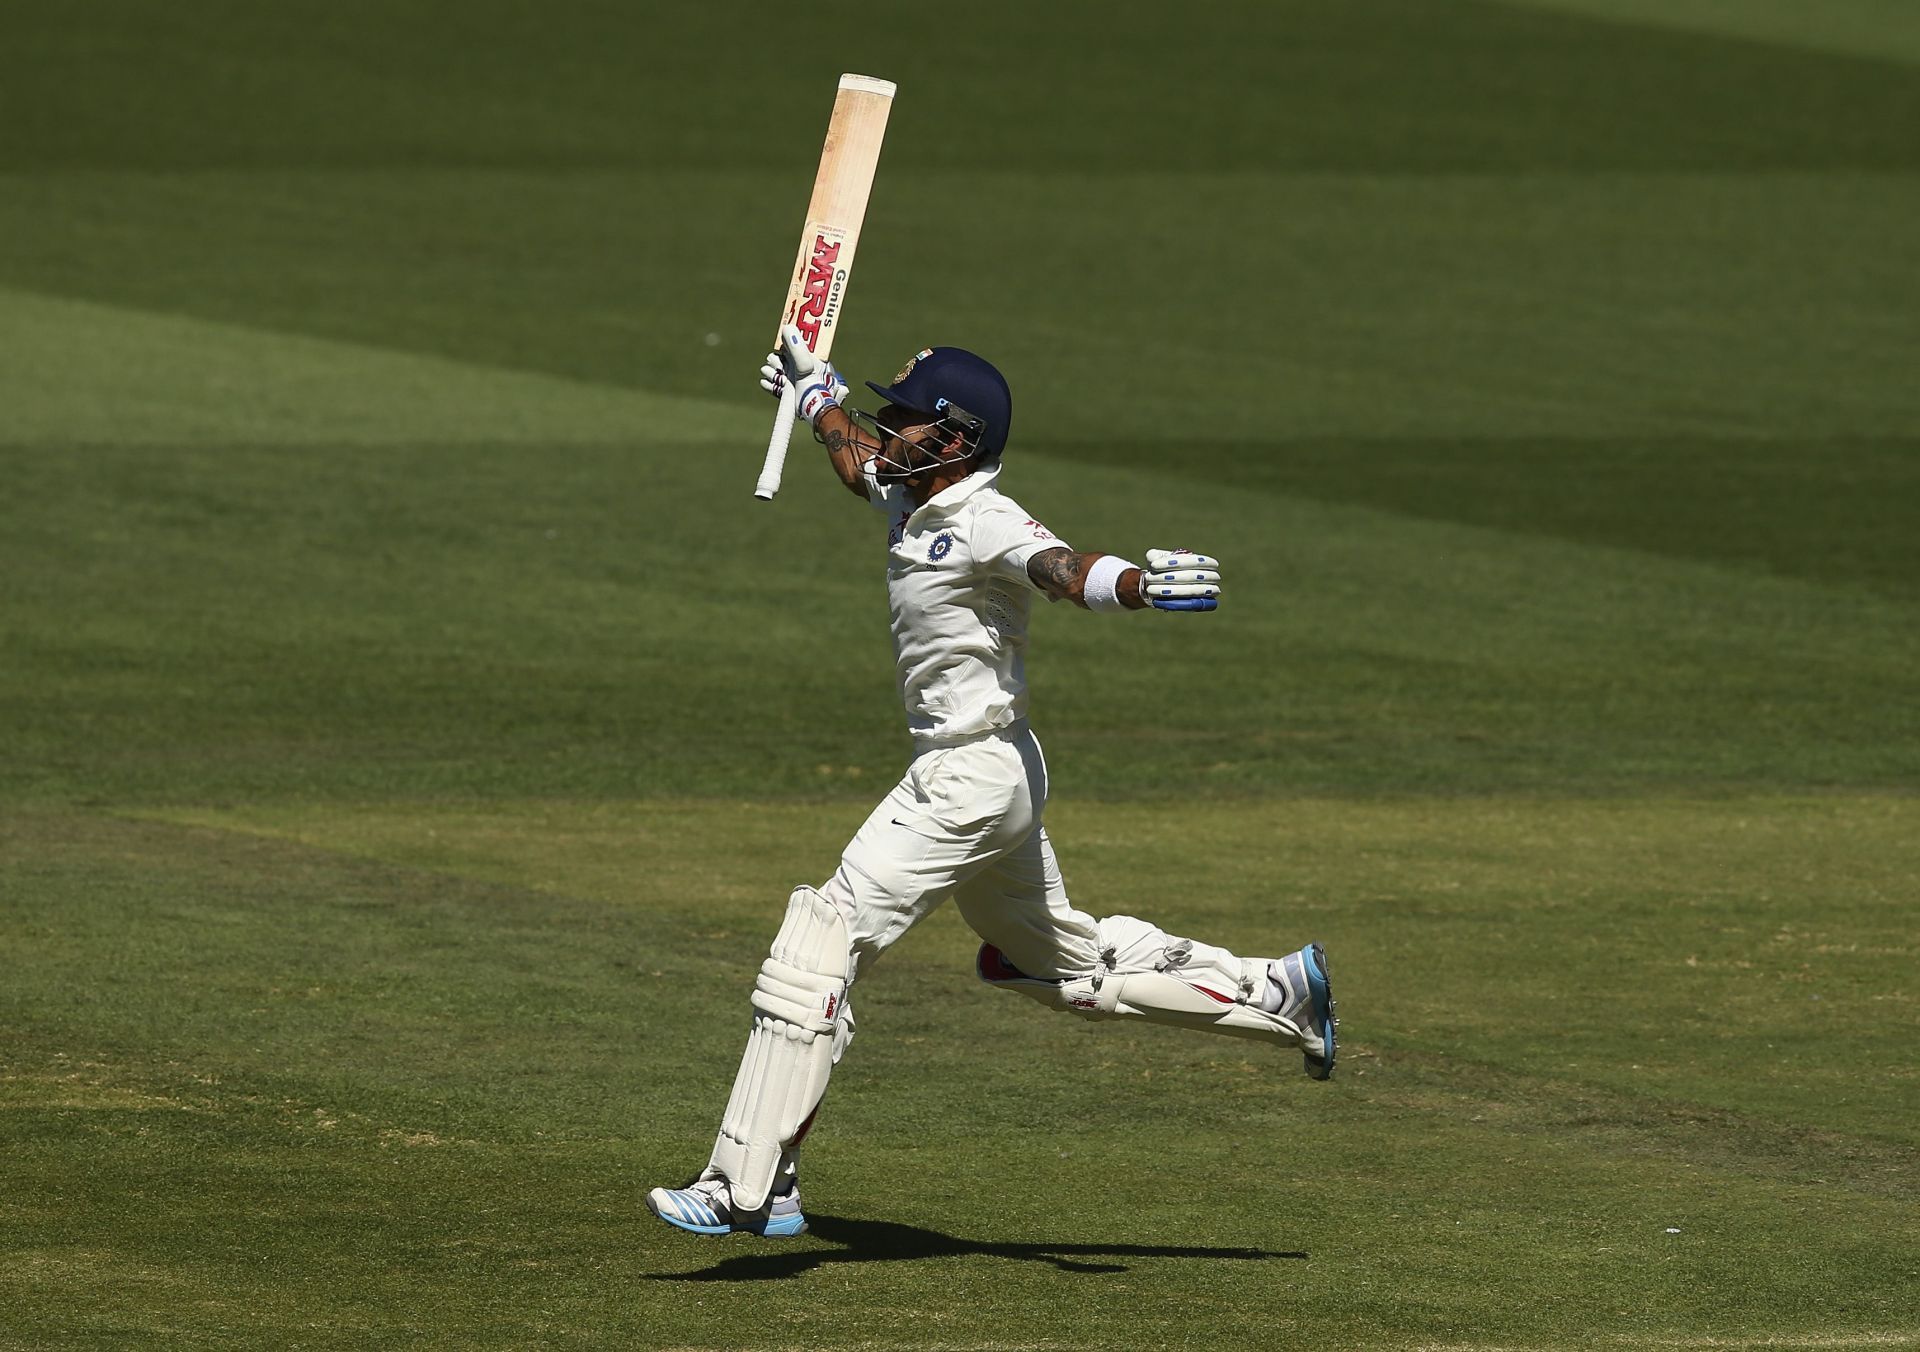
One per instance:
[(410, 728)]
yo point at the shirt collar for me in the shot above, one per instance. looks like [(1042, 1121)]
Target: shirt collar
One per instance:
[(953, 495)]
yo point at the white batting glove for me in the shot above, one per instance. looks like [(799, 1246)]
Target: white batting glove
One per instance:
[(1179, 579), (817, 386)]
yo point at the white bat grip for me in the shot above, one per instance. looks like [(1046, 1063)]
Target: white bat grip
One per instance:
[(776, 461)]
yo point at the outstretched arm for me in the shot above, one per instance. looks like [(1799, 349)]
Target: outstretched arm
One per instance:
[(1062, 574), (1174, 579)]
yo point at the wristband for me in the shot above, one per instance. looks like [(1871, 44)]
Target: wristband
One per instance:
[(816, 399), (1102, 591)]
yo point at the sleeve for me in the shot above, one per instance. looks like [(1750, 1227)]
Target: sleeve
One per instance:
[(1005, 539)]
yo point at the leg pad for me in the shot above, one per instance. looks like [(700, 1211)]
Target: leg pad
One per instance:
[(802, 1021), (1143, 972)]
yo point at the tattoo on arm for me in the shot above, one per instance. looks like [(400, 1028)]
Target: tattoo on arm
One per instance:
[(846, 449), (1060, 573)]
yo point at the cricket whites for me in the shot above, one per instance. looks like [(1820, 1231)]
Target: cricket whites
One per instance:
[(825, 260)]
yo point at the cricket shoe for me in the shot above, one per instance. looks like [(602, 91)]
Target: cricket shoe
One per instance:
[(705, 1208), (1300, 984)]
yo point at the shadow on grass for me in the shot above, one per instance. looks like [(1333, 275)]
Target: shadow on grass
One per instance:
[(887, 1242)]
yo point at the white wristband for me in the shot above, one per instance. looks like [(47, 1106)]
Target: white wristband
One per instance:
[(1103, 583)]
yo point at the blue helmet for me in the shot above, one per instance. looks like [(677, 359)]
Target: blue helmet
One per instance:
[(954, 385)]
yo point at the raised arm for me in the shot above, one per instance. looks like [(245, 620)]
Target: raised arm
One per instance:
[(818, 390), (848, 447), (1174, 579)]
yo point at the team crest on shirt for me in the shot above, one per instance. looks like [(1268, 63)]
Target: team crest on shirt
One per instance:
[(941, 547), (912, 362)]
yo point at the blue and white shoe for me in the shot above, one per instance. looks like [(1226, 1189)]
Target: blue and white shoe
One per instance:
[(1305, 996), (705, 1208)]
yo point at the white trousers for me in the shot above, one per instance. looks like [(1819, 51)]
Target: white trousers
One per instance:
[(964, 822)]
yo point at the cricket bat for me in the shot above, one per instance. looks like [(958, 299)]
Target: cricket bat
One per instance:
[(820, 270)]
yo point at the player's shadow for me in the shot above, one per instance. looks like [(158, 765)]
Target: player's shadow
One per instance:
[(888, 1242)]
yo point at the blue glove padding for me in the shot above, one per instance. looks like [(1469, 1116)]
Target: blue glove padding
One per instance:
[(1179, 579)]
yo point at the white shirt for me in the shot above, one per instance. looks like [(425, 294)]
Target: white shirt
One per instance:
[(958, 588)]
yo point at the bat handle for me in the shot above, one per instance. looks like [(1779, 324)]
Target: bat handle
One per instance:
[(776, 461)]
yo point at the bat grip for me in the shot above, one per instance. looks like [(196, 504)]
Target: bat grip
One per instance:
[(776, 461)]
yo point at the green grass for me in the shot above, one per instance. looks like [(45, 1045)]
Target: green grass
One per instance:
[(409, 727), (320, 1059)]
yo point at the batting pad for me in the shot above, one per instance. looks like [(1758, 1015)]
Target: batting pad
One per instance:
[(1147, 973), (1162, 997), (800, 1024)]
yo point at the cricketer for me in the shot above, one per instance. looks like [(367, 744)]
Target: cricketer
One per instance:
[(964, 562)]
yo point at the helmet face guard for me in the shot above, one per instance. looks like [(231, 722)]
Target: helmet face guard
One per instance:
[(900, 458)]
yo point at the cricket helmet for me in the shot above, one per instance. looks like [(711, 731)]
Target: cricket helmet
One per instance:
[(961, 389)]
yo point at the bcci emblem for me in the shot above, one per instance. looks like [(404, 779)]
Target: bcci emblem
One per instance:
[(941, 547), (912, 362)]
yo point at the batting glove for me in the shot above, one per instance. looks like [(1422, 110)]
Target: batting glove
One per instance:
[(1179, 579), (817, 386)]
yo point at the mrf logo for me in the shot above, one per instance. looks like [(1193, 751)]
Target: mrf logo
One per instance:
[(833, 1003), (822, 290)]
